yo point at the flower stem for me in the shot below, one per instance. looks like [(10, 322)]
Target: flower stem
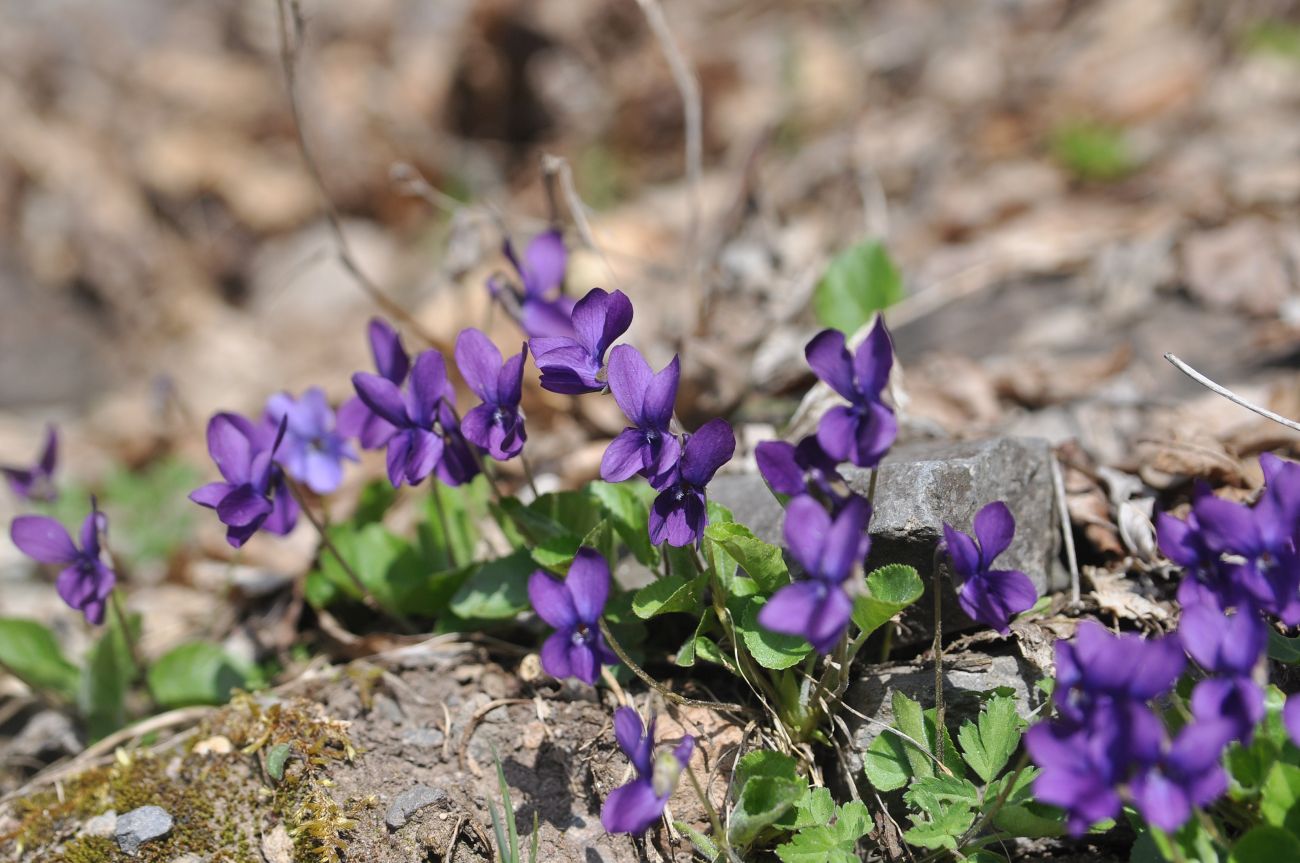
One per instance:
[(716, 822), (119, 611), (938, 665), (436, 493), (659, 687), (367, 597), (528, 475)]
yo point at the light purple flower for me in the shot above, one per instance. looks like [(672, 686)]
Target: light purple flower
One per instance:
[(355, 418), (543, 309), (1189, 774), (573, 365), (85, 582), (990, 596), (574, 606), (1222, 643), (863, 430), (817, 607), (254, 495), (414, 449), (680, 512), (647, 398), (497, 424), (633, 807), (36, 482), (1098, 663), (313, 451)]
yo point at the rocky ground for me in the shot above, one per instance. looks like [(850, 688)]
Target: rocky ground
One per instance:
[(1070, 190)]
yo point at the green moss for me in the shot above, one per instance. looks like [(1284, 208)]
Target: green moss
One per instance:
[(1092, 152)]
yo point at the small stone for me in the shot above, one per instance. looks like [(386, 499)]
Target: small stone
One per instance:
[(389, 709), (140, 826), (218, 745), (424, 738), (190, 858), (277, 846), (101, 825), (409, 802)]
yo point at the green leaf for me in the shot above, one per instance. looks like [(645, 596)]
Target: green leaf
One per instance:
[(495, 590), (1283, 649), (1093, 151), (933, 793), (1280, 794), (886, 762), (557, 552), (665, 595), (761, 561), (910, 719), (686, 653), (32, 653), (708, 650), (859, 282), (376, 497), (1030, 820), (107, 677), (988, 746), (1265, 844), (890, 589), (627, 506), (826, 842), (703, 844), (769, 649), (276, 757), (449, 540), (764, 762), (148, 526), (195, 673), (815, 809), (762, 800), (944, 827)]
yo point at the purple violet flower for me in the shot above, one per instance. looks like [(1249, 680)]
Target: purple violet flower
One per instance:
[(794, 469), (574, 606), (85, 582), (254, 495), (1238, 701), (459, 463), (355, 418), (313, 450), (680, 512), (863, 430), (1222, 643), (572, 366), (543, 309), (414, 450), (497, 424), (817, 607), (990, 596), (1098, 663), (647, 398), (633, 807), (36, 482), (1188, 774)]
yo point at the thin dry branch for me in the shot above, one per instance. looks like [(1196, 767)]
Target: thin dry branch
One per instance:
[(1230, 395), (290, 24)]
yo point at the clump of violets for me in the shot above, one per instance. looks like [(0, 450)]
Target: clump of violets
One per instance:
[(356, 419), (85, 581), (496, 425), (817, 607), (989, 596), (574, 607), (633, 807), (576, 364), (36, 482), (313, 450), (539, 304), (794, 469), (680, 513), (254, 495), (1107, 746), (414, 447), (862, 431)]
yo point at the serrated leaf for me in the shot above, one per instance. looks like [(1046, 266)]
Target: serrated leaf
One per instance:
[(988, 745), (890, 589), (495, 590), (909, 718), (858, 282), (815, 809), (826, 842), (761, 802), (764, 762), (760, 560), (886, 762), (195, 673), (853, 821), (32, 653), (672, 593), (769, 649), (942, 829), (935, 792)]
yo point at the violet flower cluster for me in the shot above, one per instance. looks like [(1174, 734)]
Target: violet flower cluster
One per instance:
[(538, 303), (989, 596), (574, 607), (36, 482), (633, 807), (85, 581)]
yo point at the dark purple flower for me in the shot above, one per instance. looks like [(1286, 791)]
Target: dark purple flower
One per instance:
[(680, 512), (1188, 775), (459, 463), (863, 430), (356, 419), (573, 365), (313, 451), (1098, 663), (794, 469), (574, 606), (496, 425), (85, 582), (1222, 643), (647, 399), (817, 607), (990, 596), (414, 449), (633, 807), (543, 309), (1238, 701), (254, 495), (36, 482)]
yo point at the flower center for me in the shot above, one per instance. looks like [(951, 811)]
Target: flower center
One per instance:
[(666, 772)]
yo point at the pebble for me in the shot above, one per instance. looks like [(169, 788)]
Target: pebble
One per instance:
[(409, 802), (101, 825), (140, 826)]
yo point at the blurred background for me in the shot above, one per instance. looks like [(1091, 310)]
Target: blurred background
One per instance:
[(1069, 189)]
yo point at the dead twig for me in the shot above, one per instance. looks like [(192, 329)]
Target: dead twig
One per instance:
[(558, 167), (1230, 395), (659, 687), (1067, 532), (289, 21), (462, 750)]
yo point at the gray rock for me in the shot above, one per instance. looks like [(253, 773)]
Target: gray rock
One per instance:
[(920, 487), (140, 826), (101, 825), (423, 738), (409, 802), (965, 677)]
